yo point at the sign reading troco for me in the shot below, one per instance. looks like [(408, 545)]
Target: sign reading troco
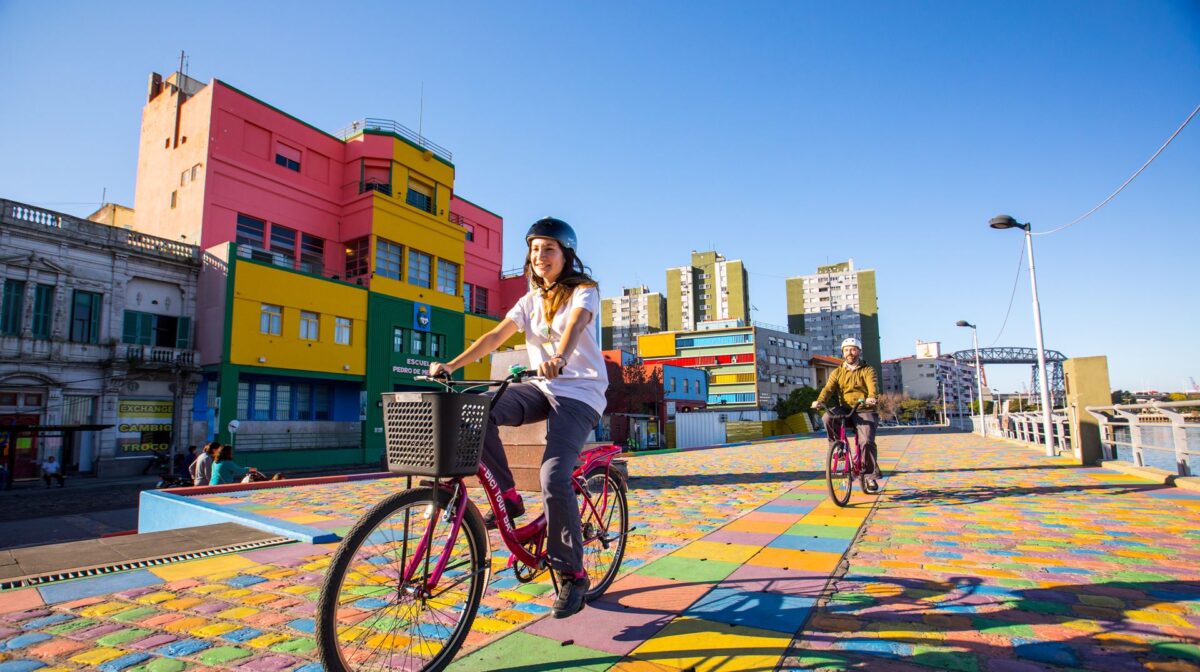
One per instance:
[(144, 425)]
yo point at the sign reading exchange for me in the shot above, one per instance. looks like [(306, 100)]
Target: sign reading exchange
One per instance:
[(144, 425)]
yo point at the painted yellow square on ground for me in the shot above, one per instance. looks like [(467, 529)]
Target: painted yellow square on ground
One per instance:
[(491, 625), (757, 526), (156, 597), (787, 558), (261, 598), (216, 629), (269, 639), (97, 656), (198, 568), (814, 519), (635, 665), (181, 603), (514, 596), (306, 518), (234, 595), (704, 646), (711, 550), (237, 613), (185, 624), (104, 609)]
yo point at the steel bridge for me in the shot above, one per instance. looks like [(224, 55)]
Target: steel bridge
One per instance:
[(1004, 355)]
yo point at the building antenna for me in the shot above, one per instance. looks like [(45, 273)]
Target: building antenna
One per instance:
[(103, 195), (421, 118)]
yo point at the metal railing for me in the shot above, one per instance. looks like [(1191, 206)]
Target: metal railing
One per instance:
[(1028, 427), (21, 214), (389, 126), (148, 354), (297, 441), (1165, 435)]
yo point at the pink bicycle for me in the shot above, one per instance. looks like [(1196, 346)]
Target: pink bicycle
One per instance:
[(404, 586), (841, 465)]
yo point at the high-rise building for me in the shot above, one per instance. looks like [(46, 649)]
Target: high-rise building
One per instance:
[(711, 288), (836, 302), (623, 318)]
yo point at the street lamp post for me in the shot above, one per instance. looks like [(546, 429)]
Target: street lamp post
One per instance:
[(978, 374), (1007, 222)]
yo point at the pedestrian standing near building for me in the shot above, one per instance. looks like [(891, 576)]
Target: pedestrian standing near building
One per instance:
[(201, 468), (52, 469)]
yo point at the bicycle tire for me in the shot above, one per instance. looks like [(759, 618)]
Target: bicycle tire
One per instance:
[(838, 473), (603, 546), (359, 625)]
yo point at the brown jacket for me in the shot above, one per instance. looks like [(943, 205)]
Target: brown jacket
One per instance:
[(846, 387)]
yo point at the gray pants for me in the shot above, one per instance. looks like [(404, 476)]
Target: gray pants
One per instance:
[(566, 431), (864, 424)]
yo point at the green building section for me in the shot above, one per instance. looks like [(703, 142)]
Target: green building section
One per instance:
[(399, 347)]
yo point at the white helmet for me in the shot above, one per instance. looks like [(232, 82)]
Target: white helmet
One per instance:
[(852, 341)]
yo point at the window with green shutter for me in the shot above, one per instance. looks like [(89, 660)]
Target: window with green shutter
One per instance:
[(43, 311), (12, 307)]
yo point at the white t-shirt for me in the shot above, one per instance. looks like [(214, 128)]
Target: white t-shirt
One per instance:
[(584, 378), (50, 467)]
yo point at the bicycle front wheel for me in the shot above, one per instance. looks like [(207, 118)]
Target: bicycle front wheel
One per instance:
[(370, 617), (605, 517), (838, 474)]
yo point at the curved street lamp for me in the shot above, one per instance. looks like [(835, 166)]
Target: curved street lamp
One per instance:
[(978, 374), (1007, 222)]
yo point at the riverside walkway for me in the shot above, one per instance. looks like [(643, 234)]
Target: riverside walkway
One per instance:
[(978, 555)]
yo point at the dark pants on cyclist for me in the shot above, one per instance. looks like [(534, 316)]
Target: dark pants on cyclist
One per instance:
[(864, 428), (568, 423)]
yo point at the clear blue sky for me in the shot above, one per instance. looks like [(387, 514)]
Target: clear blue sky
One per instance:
[(787, 135)]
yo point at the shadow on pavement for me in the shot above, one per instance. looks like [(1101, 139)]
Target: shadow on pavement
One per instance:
[(1119, 625), (681, 480), (986, 493)]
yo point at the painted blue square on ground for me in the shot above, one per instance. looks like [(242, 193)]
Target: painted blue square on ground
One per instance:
[(184, 648), (798, 542), (768, 611), (305, 625), (531, 608), (244, 580), (22, 641), (44, 621), (127, 660), (21, 665), (242, 634), (68, 591)]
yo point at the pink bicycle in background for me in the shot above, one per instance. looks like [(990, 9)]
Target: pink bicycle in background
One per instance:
[(405, 584)]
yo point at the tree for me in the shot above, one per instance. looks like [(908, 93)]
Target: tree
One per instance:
[(1177, 396), (914, 409), (798, 400), (987, 407), (1122, 397), (889, 405)]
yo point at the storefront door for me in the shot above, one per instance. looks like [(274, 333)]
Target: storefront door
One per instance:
[(21, 456)]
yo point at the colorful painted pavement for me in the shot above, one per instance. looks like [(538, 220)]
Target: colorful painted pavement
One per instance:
[(978, 556), (982, 557), (253, 610)]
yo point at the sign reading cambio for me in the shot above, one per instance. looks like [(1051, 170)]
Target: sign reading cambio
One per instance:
[(144, 425)]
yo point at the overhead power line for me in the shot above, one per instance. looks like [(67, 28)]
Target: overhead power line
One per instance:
[(1121, 188)]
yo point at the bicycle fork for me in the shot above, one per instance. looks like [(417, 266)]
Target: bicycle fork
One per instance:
[(453, 516)]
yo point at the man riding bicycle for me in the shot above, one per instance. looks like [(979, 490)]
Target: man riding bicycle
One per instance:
[(850, 383)]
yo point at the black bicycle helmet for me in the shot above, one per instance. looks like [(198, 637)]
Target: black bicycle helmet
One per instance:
[(549, 227)]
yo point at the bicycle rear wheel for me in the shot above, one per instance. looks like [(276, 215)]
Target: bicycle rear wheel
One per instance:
[(838, 473), (605, 530), (368, 617)]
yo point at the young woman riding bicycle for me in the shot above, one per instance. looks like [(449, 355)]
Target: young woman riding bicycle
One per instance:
[(556, 316)]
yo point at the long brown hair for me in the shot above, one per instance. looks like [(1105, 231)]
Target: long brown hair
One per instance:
[(555, 296)]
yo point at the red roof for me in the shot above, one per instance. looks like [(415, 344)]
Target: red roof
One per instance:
[(823, 359)]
